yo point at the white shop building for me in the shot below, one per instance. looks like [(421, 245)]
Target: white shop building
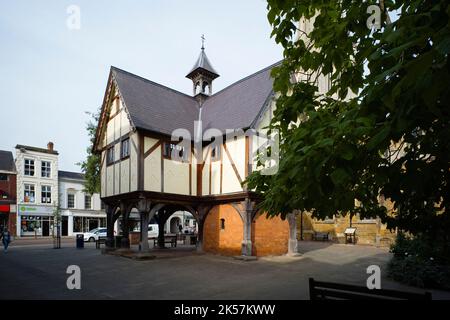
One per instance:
[(80, 212), (37, 190)]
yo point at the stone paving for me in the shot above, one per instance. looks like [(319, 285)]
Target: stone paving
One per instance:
[(39, 272)]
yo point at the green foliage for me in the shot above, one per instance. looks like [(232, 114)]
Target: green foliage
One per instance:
[(91, 166), (390, 137), (420, 262)]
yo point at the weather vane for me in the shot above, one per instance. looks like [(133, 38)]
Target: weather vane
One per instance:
[(203, 41)]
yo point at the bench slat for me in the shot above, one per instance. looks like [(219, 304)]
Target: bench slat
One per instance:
[(346, 291)]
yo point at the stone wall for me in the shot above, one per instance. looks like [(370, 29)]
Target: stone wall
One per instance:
[(368, 231)]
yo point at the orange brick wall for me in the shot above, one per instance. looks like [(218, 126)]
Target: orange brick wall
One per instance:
[(269, 236), (227, 241)]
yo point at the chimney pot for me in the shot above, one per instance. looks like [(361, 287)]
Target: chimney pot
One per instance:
[(50, 146)]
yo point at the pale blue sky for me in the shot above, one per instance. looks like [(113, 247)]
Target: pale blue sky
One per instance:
[(51, 75)]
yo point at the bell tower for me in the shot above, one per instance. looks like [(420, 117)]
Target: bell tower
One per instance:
[(202, 76)]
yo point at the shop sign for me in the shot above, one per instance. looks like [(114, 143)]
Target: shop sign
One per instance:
[(42, 210)]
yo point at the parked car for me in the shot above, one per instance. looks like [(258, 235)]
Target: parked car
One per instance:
[(153, 230), (94, 234)]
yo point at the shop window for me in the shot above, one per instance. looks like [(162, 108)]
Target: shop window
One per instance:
[(110, 156), (29, 167), (87, 202), (77, 224), (46, 194), (70, 201), (3, 177), (45, 169), (125, 148), (222, 224), (29, 193)]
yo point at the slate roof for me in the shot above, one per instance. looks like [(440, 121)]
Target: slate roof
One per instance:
[(7, 161), (155, 107), (70, 175), (238, 105), (160, 109)]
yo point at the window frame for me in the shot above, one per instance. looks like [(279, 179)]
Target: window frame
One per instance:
[(31, 167), (48, 192), (31, 186), (125, 142), (169, 150), (86, 196), (49, 168), (110, 155), (68, 201)]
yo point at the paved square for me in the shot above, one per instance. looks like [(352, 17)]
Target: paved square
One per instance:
[(39, 272)]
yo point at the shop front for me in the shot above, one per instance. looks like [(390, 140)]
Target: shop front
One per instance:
[(8, 217), (80, 221), (35, 221)]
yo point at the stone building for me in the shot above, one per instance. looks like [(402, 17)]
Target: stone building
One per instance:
[(143, 168)]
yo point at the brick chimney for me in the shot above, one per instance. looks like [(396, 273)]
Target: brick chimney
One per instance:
[(50, 146)]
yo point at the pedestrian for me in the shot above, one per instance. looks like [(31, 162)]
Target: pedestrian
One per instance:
[(180, 228), (6, 239)]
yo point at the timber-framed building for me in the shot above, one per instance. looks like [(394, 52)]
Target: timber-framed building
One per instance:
[(139, 170)]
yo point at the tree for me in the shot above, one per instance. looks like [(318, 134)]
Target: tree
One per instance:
[(390, 138), (91, 166)]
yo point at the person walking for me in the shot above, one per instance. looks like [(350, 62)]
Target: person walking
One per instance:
[(6, 239)]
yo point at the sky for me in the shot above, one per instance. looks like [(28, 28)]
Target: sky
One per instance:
[(52, 73)]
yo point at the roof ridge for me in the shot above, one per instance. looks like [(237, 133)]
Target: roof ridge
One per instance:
[(247, 77), (70, 171), (152, 82)]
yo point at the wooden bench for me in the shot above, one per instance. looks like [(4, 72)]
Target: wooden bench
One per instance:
[(321, 236), (167, 239), (99, 242), (319, 290)]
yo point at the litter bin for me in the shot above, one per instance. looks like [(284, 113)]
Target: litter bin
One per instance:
[(80, 241)]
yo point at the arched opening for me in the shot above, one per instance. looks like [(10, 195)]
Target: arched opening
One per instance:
[(205, 88), (223, 231), (197, 88), (175, 225)]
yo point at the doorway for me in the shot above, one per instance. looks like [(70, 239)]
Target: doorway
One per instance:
[(65, 226), (45, 228)]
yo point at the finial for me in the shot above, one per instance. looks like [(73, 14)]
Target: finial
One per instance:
[(203, 42)]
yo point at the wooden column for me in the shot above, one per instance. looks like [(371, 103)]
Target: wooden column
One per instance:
[(144, 207), (125, 209), (110, 210)]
